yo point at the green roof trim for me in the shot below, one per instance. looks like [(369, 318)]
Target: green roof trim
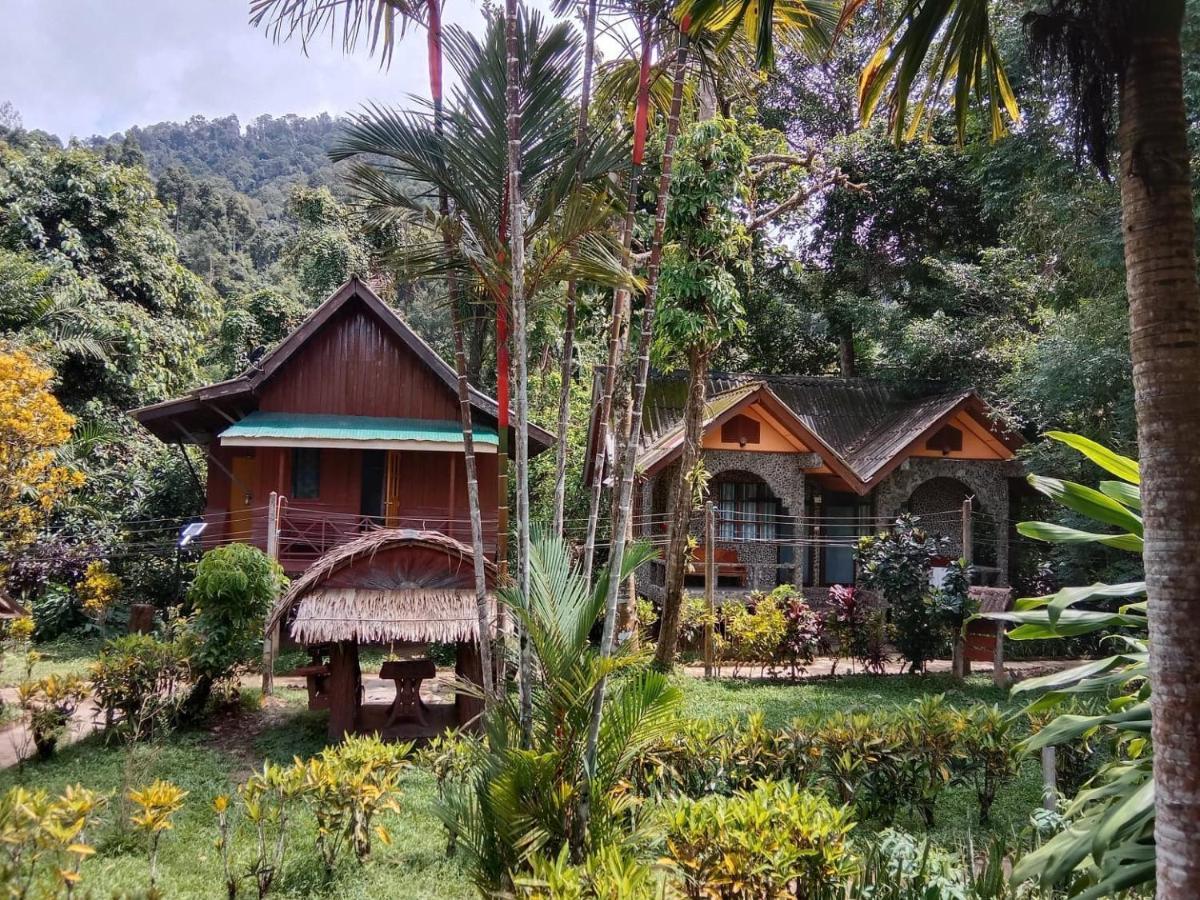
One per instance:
[(311, 426)]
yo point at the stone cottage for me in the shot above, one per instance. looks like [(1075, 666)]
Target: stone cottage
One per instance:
[(801, 467)]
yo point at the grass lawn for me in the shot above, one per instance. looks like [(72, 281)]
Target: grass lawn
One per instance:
[(212, 762), (65, 656)]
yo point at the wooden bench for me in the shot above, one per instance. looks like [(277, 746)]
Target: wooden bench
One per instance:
[(408, 675), (727, 565)]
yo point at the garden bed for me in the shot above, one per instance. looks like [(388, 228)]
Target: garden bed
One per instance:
[(211, 762)]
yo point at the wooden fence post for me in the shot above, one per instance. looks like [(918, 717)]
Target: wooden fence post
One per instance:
[(960, 665), (710, 581), (271, 635)]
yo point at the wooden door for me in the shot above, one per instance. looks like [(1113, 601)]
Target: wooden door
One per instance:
[(241, 498), (393, 485)]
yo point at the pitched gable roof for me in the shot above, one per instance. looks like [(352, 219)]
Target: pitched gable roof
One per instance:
[(226, 401), (860, 427)]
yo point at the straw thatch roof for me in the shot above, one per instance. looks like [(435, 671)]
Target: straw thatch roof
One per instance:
[(10, 608), (393, 584)]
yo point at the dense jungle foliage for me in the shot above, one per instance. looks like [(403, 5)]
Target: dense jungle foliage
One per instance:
[(136, 265)]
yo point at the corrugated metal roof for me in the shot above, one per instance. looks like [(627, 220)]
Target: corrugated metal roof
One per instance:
[(713, 407), (305, 426)]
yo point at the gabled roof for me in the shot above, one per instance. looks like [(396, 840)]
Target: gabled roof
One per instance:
[(214, 406), (860, 427)]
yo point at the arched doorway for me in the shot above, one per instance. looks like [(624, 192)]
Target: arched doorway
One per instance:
[(938, 503)]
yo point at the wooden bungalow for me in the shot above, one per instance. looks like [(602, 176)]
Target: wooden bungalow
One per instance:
[(353, 423)]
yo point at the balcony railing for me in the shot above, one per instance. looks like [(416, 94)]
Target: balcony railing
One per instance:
[(307, 534)]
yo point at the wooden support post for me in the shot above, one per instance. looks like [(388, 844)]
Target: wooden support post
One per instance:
[(710, 584), (999, 676), (271, 636), (961, 666), (345, 689), (1049, 778)]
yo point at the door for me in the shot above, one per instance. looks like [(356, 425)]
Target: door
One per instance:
[(839, 558), (393, 485), (241, 498)]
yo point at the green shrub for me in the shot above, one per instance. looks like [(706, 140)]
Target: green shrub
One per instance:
[(990, 747), (772, 841), (49, 704), (610, 872), (755, 632), (141, 680), (897, 564), (55, 613), (231, 595), (45, 839)]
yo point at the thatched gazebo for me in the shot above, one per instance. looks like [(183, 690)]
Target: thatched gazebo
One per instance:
[(389, 585)]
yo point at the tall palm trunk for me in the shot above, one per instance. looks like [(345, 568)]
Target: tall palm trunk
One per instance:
[(624, 509), (434, 43), (1164, 316), (568, 352), (681, 509), (621, 298), (516, 231)]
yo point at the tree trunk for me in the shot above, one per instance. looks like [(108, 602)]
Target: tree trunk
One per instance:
[(434, 43), (516, 244), (847, 363), (1164, 317), (620, 307), (564, 397), (681, 511), (616, 556)]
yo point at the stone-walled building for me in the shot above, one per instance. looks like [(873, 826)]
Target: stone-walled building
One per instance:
[(800, 467)]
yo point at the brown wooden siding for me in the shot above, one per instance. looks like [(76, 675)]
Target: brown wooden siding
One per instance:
[(354, 367)]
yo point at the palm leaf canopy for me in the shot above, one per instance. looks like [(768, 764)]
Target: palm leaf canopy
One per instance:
[(936, 48), (375, 24), (402, 162), (807, 25)]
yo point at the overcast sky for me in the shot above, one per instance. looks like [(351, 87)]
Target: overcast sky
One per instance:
[(84, 67)]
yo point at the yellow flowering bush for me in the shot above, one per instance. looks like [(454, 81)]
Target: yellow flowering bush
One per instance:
[(98, 591), (33, 426)]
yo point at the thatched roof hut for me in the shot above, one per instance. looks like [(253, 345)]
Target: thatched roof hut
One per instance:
[(393, 584)]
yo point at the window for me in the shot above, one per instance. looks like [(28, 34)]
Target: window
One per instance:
[(740, 430), (842, 522), (306, 473), (746, 511)]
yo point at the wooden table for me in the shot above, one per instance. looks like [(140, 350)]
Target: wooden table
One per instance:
[(408, 675)]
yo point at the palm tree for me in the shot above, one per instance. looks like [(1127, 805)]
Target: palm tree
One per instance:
[(569, 314), (379, 23), (1125, 54), (523, 799)]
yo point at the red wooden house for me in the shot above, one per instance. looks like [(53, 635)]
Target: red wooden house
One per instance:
[(354, 423)]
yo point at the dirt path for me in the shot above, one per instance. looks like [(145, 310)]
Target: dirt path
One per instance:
[(16, 742)]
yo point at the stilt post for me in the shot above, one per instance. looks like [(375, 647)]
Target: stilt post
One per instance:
[(271, 636)]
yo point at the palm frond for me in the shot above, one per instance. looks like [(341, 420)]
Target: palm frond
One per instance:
[(375, 24)]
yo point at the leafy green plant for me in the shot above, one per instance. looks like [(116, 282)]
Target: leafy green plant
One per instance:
[(347, 786), (991, 751), (528, 793), (140, 680), (49, 703), (55, 612), (1108, 845), (45, 838), (755, 632), (772, 841), (897, 564), (267, 798), (231, 594), (157, 805), (803, 633), (612, 871)]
